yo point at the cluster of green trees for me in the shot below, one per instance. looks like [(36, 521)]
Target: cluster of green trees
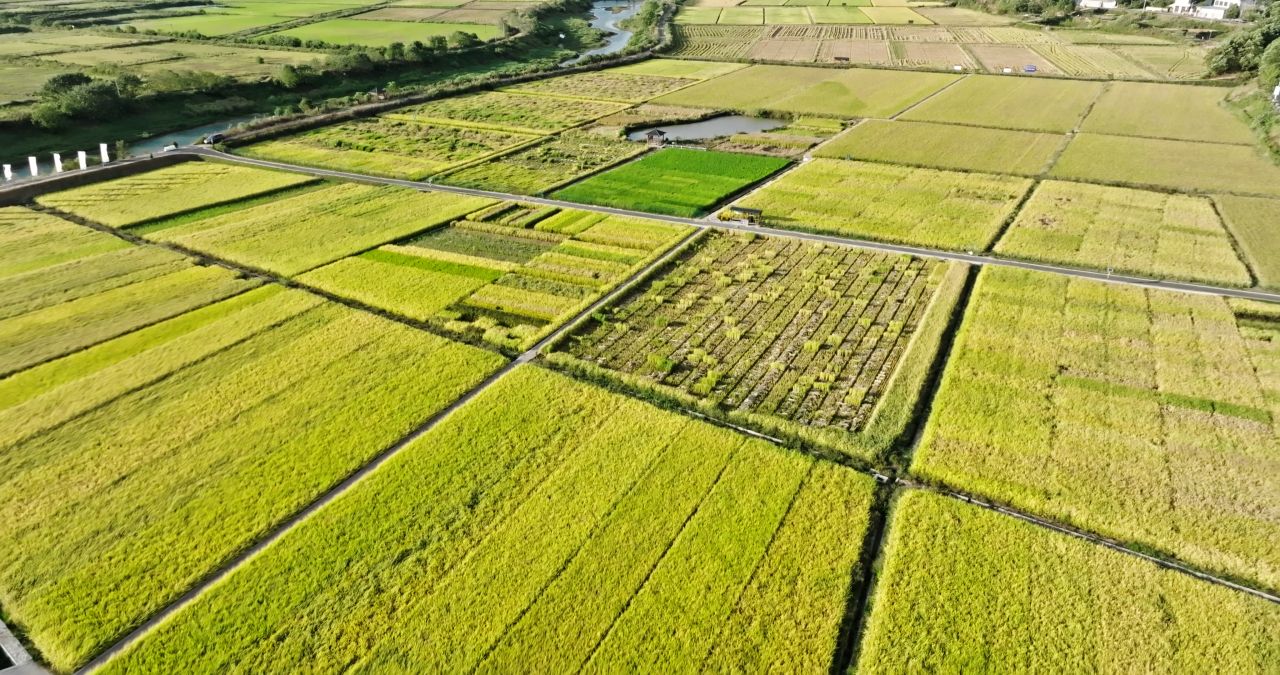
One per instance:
[(1254, 49), (78, 96), (1041, 7)]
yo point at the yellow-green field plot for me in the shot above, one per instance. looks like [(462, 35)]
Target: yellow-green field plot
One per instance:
[(812, 91), (1147, 416), (1152, 234), (1012, 59), (383, 33), (1179, 165), (21, 81), (508, 112), (1256, 225), (188, 440), (946, 146), (1010, 103), (1176, 62), (895, 15), (125, 202), (603, 85), (301, 232), (1174, 111), (221, 59), (388, 147), (965, 589), (646, 541), (925, 207), (695, 70)]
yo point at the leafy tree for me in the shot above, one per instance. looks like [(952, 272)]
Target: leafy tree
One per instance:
[(1269, 65), (438, 43), (461, 40), (1240, 52), (62, 83), (1233, 12)]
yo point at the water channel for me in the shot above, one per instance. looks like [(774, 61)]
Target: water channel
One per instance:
[(605, 16)]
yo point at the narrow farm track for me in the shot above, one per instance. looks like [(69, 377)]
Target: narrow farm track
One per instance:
[(972, 258)]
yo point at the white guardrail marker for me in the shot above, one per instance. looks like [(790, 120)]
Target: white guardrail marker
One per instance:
[(83, 159), (102, 148), (57, 163), (35, 166)]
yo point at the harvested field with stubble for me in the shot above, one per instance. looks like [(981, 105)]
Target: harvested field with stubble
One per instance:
[(946, 146), (999, 591), (926, 207), (806, 341), (1153, 234), (1137, 414), (717, 549)]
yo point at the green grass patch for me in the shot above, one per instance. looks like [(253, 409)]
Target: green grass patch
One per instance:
[(383, 33), (673, 181)]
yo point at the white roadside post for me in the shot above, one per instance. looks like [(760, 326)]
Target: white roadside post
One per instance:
[(35, 166), (57, 163), (83, 159), (8, 173), (102, 148)]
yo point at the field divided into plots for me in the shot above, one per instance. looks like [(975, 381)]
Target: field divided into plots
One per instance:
[(673, 181), (383, 146), (507, 275), (189, 186), (883, 202), (161, 416), (645, 541), (1000, 591), (1152, 234), (945, 146), (823, 344), (67, 287), (807, 34), (1147, 416)]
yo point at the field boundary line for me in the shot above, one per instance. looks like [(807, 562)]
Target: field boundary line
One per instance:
[(1236, 246), (333, 493), (13, 648), (849, 641), (1091, 537), (905, 249), (922, 101)]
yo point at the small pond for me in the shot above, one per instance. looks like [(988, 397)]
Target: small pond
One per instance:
[(725, 125)]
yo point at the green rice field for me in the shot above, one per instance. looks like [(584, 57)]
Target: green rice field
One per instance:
[(383, 33), (673, 181)]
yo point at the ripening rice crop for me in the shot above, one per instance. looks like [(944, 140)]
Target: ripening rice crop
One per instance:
[(547, 165), (1010, 103), (387, 147), (508, 112), (1253, 221), (964, 589), (1179, 165), (603, 85), (1147, 416), (673, 181), (851, 92), (63, 307), (645, 541), (184, 187), (508, 275), (947, 146), (944, 209), (299, 233), (821, 343), (194, 438), (30, 240), (1167, 111), (1153, 234)]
